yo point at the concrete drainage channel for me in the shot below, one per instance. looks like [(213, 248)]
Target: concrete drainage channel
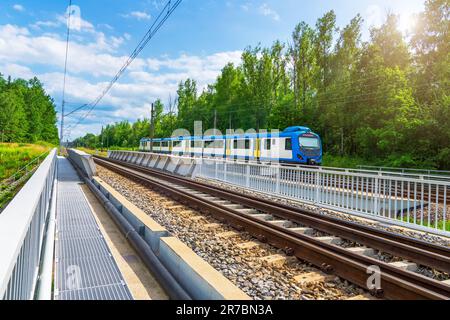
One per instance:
[(184, 275)]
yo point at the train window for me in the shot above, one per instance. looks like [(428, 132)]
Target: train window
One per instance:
[(288, 144), (267, 144), (192, 144), (219, 144), (240, 144), (209, 144), (155, 144), (308, 142), (177, 144), (165, 144), (214, 144)]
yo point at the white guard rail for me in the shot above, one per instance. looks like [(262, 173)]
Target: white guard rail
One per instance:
[(416, 203), (22, 228)]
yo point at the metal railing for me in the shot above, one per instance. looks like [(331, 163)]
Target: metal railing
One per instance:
[(409, 171), (416, 203), (20, 175), (22, 229)]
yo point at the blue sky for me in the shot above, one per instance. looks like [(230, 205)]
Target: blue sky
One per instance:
[(197, 41)]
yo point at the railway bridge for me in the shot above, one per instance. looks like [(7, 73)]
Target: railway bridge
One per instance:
[(137, 225)]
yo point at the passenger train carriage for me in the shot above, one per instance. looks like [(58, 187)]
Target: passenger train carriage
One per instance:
[(293, 145)]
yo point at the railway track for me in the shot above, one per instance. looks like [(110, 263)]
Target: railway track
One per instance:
[(292, 230)]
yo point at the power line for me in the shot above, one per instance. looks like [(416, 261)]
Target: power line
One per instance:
[(165, 13), (65, 74)]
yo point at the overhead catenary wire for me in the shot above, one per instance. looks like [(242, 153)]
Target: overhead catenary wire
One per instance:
[(165, 13), (65, 74)]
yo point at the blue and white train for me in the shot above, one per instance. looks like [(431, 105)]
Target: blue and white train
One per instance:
[(294, 145)]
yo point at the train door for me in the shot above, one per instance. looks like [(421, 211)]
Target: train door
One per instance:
[(187, 144), (228, 147), (257, 149)]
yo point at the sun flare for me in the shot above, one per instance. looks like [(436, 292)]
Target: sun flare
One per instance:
[(407, 22)]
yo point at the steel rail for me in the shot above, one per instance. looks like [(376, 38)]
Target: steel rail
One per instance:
[(396, 283)]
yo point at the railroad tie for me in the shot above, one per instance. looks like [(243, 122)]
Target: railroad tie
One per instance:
[(247, 245), (330, 239), (179, 206), (405, 265), (227, 234), (248, 211), (313, 277), (262, 216), (211, 226), (277, 260), (363, 297), (362, 250), (281, 223), (302, 230)]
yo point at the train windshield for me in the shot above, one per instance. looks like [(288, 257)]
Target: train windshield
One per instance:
[(309, 142)]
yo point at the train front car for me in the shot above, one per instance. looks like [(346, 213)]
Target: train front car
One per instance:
[(306, 146)]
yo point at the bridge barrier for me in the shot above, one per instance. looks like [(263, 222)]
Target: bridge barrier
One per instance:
[(181, 165), (420, 202), (23, 225), (84, 161)]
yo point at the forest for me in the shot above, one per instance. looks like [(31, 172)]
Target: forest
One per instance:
[(27, 113), (385, 98)]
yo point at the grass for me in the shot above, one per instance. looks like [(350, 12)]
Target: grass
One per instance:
[(440, 224), (14, 156), (393, 161), (102, 153)]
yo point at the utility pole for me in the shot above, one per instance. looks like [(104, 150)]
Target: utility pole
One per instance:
[(61, 141), (215, 120), (229, 119), (103, 136), (152, 127)]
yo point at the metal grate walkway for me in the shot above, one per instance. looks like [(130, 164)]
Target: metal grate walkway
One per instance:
[(84, 266)]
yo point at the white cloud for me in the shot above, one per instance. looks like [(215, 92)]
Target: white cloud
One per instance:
[(18, 7), (140, 15), (265, 10), (16, 71), (105, 25), (77, 23), (50, 24), (91, 66), (18, 46)]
